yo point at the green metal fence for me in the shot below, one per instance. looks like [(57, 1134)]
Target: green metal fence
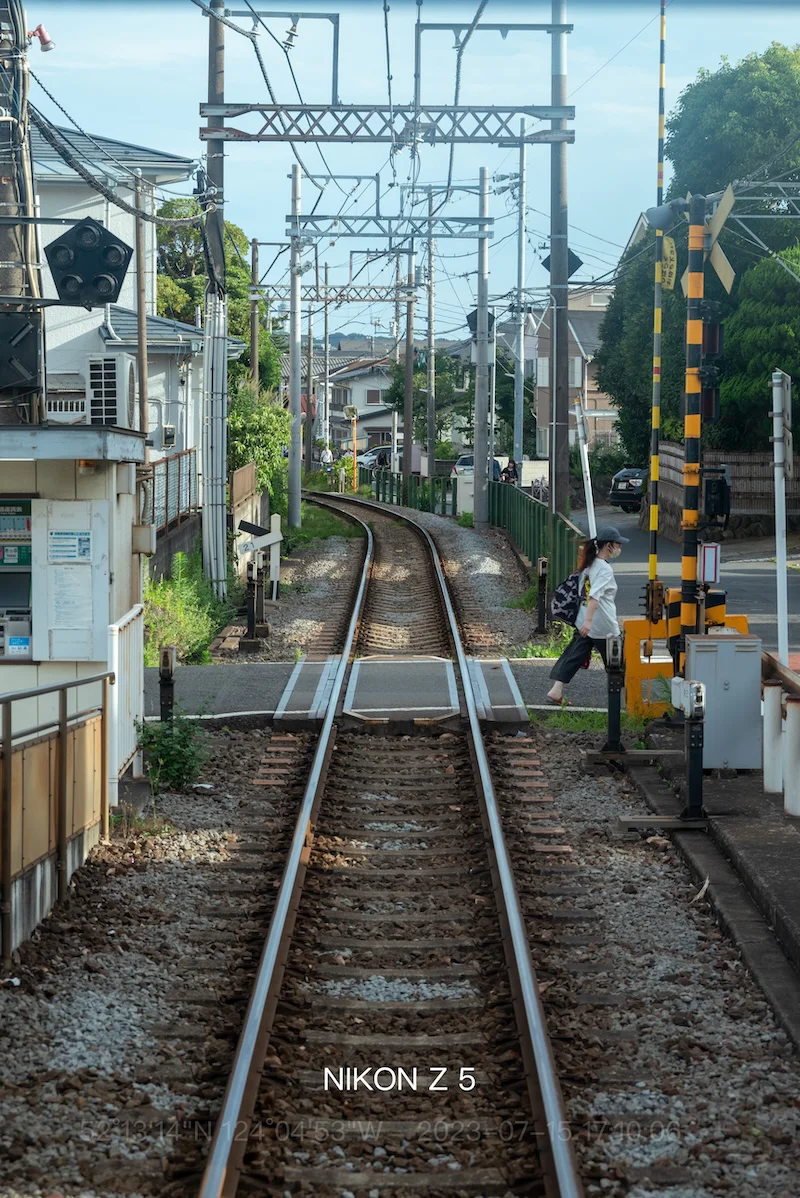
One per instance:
[(437, 495), (534, 530)]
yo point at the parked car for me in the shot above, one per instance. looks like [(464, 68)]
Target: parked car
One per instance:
[(628, 488), (370, 456), (465, 467)]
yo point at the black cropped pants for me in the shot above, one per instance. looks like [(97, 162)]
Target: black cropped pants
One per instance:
[(576, 655)]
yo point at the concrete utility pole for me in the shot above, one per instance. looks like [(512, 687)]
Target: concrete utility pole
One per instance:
[(559, 268), (254, 317), (431, 421), (408, 404), (18, 243), (216, 324), (326, 394), (398, 278), (141, 312), (309, 428), (294, 359), (481, 447), (519, 365)]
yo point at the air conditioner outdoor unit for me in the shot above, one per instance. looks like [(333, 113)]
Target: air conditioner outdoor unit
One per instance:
[(66, 410), (111, 392)]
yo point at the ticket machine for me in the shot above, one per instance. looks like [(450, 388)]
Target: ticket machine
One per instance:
[(15, 580)]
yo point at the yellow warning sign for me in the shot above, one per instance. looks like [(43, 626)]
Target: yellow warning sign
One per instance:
[(669, 263)]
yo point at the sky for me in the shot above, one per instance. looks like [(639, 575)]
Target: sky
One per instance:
[(137, 70)]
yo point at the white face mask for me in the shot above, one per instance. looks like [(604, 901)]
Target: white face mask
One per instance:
[(616, 551)]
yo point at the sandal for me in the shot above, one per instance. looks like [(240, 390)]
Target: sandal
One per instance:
[(563, 702)]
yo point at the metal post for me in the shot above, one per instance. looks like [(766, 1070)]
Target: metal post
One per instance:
[(615, 674), (254, 317), (580, 418), (408, 396), (395, 462), (519, 365), (294, 359), (480, 443), (693, 747), (493, 393), (251, 600), (541, 571), (141, 311), (326, 398), (431, 423), (309, 428), (166, 682), (692, 387), (61, 796), (559, 268), (552, 446), (5, 835), (655, 422), (791, 764), (773, 738), (104, 820), (779, 406)]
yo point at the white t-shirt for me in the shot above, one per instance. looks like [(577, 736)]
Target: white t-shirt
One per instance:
[(603, 588)]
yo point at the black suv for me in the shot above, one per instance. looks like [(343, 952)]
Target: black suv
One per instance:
[(628, 488)]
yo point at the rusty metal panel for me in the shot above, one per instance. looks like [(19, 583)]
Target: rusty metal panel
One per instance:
[(243, 484), (85, 807), (37, 801)]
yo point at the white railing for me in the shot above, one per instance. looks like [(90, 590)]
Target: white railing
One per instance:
[(781, 707), (126, 659)]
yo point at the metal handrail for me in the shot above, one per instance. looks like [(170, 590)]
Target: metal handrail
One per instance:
[(34, 692), (228, 1124)]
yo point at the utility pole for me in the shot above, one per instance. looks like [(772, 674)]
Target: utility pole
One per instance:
[(254, 317), (492, 392), (692, 422), (559, 268), (216, 340), (309, 465), (294, 357), (398, 277), (519, 365), (141, 312), (408, 398), (326, 396), (481, 448), (431, 422), (18, 243), (654, 593)]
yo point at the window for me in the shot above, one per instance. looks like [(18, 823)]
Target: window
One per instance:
[(374, 396), (542, 372), (576, 372), (339, 398), (599, 299)]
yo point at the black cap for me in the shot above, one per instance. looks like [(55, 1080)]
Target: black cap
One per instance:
[(609, 532)]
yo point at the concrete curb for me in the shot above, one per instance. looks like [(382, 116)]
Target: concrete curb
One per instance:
[(738, 914)]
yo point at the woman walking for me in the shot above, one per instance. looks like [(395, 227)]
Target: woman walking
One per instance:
[(597, 614)]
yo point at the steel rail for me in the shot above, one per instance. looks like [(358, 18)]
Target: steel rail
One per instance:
[(561, 1171), (229, 1129), (564, 1163)]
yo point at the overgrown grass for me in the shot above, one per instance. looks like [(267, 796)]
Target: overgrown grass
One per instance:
[(552, 644), (183, 611), (584, 721), (175, 751), (316, 525), (466, 520)]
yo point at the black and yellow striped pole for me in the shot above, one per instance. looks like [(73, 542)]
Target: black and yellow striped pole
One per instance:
[(656, 405), (692, 421)]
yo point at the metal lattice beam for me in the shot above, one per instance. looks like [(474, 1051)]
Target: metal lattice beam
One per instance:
[(313, 226), (429, 124), (352, 293)]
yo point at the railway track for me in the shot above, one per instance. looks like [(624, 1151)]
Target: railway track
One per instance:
[(394, 1041)]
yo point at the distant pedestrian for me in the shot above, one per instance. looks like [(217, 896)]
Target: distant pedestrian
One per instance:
[(342, 477), (597, 614), (510, 474), (382, 460)]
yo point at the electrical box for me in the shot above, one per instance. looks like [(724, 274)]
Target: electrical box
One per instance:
[(168, 436), (69, 573), (15, 580), (729, 666)]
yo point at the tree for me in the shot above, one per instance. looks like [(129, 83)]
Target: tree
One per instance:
[(763, 335), (504, 409), (258, 430), (181, 286), (735, 123), (448, 399)]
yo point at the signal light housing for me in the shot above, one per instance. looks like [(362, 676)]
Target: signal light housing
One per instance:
[(88, 265)]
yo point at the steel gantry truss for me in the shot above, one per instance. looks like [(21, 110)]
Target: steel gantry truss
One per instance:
[(352, 293), (314, 226), (399, 126)]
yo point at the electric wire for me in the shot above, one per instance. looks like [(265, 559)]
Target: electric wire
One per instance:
[(389, 87)]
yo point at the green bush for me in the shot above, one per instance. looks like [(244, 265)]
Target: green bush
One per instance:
[(551, 645), (445, 451), (174, 751), (466, 520), (182, 611)]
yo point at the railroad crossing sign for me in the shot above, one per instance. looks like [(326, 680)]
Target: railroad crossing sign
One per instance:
[(713, 251)]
